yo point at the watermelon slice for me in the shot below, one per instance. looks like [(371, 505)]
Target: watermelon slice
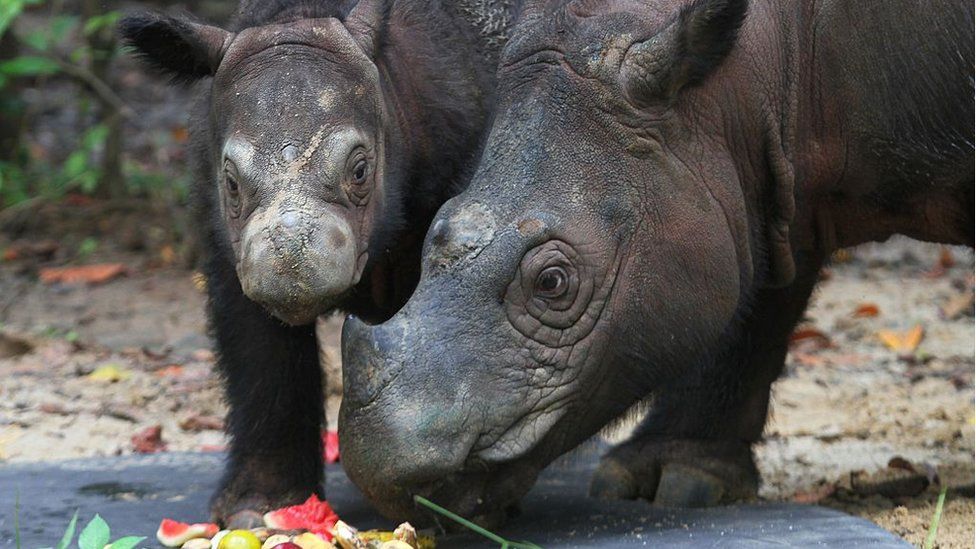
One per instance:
[(330, 446), (174, 534), (314, 515)]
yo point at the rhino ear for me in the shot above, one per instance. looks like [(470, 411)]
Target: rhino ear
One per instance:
[(183, 49), (685, 52), (365, 23)]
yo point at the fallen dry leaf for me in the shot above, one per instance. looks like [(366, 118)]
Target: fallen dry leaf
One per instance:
[(167, 255), (902, 342), (88, 274), (807, 359), (54, 408), (866, 310), (809, 339), (945, 262), (816, 494), (109, 373), (12, 346), (172, 370), (43, 249), (957, 306), (78, 199), (197, 423), (148, 440)]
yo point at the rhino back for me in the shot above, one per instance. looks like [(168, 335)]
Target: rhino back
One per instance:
[(898, 77)]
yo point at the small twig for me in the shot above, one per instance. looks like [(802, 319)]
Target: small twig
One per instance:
[(96, 84), (936, 517), (85, 76), (17, 519), (505, 544)]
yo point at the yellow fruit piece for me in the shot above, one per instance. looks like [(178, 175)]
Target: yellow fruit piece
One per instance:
[(309, 540), (275, 540), (240, 539), (383, 536), (109, 373)]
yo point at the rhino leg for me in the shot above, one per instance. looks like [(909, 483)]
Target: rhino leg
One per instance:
[(273, 386), (694, 447)]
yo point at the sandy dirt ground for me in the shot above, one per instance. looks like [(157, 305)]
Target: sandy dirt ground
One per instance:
[(87, 370)]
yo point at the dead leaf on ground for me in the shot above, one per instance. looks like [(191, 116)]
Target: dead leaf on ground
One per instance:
[(171, 370), (197, 423), (902, 342), (88, 274), (958, 306), (109, 373), (809, 339), (12, 346), (43, 249), (167, 255), (899, 479), (842, 255), (866, 310), (807, 359), (945, 262), (54, 408), (816, 494), (149, 440)]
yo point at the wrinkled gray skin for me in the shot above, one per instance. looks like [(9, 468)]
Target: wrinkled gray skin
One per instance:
[(325, 136), (648, 219)]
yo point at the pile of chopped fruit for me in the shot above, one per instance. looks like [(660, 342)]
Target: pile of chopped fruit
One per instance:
[(311, 525)]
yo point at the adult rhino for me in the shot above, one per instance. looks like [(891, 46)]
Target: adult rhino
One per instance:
[(324, 140), (658, 192)]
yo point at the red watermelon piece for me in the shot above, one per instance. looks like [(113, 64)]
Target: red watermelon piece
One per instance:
[(314, 515), (172, 533), (330, 446)]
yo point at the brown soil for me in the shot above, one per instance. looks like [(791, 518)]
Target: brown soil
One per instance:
[(841, 410)]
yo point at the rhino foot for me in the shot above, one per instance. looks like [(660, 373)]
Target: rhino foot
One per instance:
[(242, 500), (677, 473)]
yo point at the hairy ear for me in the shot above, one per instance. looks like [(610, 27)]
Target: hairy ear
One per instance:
[(181, 48), (685, 52), (365, 23)]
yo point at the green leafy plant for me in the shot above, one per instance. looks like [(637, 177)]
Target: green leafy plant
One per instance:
[(95, 535), (502, 542), (936, 518)]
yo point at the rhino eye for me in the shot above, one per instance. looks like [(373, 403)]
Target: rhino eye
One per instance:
[(551, 283), (360, 171), (233, 197)]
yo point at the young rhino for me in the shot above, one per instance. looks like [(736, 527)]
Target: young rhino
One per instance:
[(658, 192), (324, 143)]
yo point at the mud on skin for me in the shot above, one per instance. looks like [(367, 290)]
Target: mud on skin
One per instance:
[(324, 139), (659, 190)]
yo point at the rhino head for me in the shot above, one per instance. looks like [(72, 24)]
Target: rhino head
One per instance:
[(604, 247), (295, 144)]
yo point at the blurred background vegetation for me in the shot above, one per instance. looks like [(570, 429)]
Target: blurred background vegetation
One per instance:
[(91, 145)]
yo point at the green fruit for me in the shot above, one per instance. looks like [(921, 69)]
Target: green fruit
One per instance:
[(240, 539)]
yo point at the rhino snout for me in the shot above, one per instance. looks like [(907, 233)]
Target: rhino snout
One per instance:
[(296, 262)]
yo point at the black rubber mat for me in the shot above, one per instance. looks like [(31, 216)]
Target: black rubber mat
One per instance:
[(134, 493)]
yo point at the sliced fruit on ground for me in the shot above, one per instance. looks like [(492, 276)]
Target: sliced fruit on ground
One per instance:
[(173, 533), (314, 515)]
